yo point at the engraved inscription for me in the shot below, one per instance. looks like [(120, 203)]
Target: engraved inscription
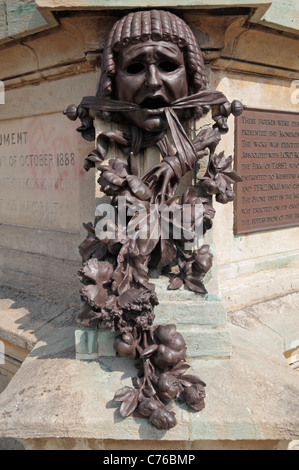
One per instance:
[(267, 159), (39, 173)]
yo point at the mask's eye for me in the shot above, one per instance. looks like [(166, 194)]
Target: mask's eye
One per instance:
[(135, 68), (168, 66)]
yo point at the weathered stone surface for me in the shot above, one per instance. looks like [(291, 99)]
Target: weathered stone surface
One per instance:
[(285, 47), (22, 17), (65, 46), (207, 314), (201, 342), (259, 286), (41, 275), (35, 257), (48, 96), (252, 267), (25, 319), (236, 255), (10, 444), (93, 28), (277, 317), (283, 15), (201, 319)]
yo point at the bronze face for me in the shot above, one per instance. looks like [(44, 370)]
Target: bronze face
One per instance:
[(152, 75)]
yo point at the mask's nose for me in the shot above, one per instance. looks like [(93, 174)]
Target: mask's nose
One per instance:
[(153, 79)]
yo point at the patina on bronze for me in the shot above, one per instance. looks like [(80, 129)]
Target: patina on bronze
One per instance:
[(267, 158), (153, 76)]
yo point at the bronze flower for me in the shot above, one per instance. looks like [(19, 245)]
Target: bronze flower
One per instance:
[(148, 406), (161, 418), (194, 396), (172, 348), (168, 387)]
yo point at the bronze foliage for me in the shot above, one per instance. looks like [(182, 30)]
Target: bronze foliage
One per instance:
[(147, 56)]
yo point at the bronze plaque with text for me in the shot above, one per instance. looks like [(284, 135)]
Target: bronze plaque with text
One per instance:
[(267, 159)]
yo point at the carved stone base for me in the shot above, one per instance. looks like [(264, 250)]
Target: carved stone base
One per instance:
[(201, 323), (56, 402)]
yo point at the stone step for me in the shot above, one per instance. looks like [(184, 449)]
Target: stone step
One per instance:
[(204, 314)]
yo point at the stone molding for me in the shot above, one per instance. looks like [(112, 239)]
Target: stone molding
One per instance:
[(277, 14)]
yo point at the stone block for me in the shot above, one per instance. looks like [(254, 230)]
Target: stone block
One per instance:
[(65, 46), (14, 351), (86, 4), (46, 98), (86, 344), (39, 240), (285, 49), (41, 276), (10, 444), (8, 369), (94, 343), (275, 317), (283, 15), (93, 28), (19, 19), (200, 319), (25, 318), (40, 170), (260, 286), (54, 397)]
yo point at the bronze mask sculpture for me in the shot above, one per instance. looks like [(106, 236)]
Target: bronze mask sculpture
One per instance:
[(153, 77)]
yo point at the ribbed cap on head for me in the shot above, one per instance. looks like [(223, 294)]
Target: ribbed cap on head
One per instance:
[(155, 25)]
